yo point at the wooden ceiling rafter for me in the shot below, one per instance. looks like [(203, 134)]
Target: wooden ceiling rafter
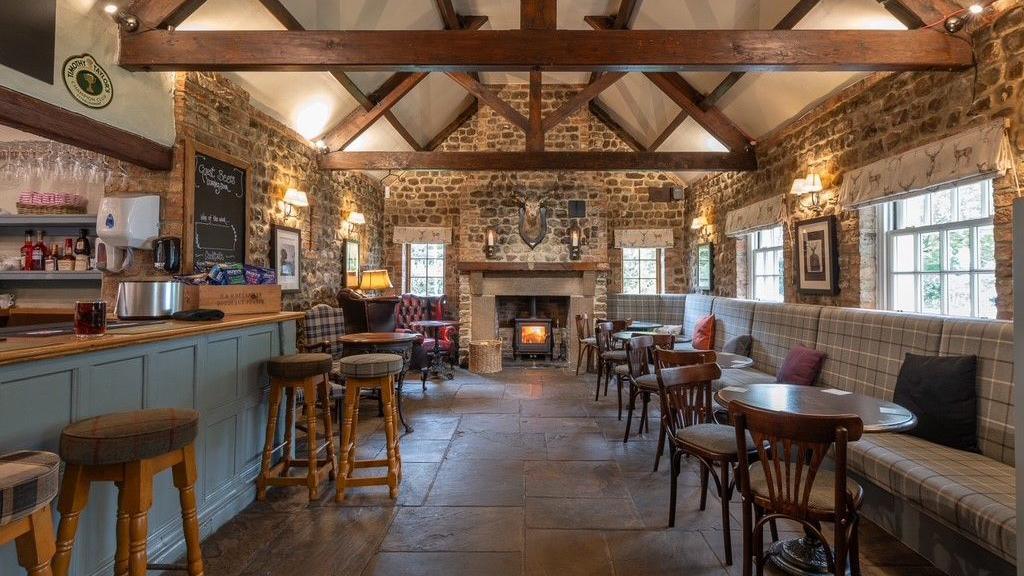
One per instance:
[(468, 111), (605, 117), (549, 50), (916, 14), (538, 14), (580, 99), (490, 98), (540, 161), (669, 130), (535, 126), (622, 19), (788, 22)]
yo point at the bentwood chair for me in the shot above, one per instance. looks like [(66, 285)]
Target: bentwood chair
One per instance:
[(686, 408), (789, 482), (586, 344), (639, 373), (666, 357), (608, 359)]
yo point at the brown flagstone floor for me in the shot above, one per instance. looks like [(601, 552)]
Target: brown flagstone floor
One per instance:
[(514, 473)]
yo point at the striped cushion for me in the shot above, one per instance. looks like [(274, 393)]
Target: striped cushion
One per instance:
[(776, 328), (970, 492), (864, 349), (324, 323), (371, 365), (732, 318), (992, 343), (128, 436), (697, 307), (28, 481), (295, 366)]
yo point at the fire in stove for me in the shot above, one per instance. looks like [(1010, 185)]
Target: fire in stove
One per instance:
[(534, 335)]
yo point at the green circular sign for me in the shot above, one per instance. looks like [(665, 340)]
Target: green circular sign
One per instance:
[(87, 81)]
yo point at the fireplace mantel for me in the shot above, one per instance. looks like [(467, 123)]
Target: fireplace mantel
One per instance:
[(533, 267)]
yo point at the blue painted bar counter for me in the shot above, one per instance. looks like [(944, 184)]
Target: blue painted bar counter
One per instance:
[(217, 368)]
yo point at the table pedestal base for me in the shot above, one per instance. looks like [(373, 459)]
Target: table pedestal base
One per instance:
[(801, 556)]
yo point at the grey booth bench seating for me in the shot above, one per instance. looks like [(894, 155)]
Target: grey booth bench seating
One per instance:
[(956, 508)]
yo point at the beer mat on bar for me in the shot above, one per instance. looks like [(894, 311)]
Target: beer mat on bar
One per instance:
[(63, 329)]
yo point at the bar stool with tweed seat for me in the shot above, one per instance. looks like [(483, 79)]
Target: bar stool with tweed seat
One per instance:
[(28, 483), (366, 371), (308, 373), (129, 449)]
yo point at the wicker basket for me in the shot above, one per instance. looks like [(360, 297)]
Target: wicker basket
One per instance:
[(485, 356), (34, 210)]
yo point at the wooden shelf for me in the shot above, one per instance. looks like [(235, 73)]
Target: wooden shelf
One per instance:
[(22, 275), (533, 267), (67, 220)]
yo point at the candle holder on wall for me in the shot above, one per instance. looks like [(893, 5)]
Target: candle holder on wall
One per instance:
[(490, 242), (575, 241)]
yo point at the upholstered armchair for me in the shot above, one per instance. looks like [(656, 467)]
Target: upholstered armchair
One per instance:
[(364, 314), (413, 308)]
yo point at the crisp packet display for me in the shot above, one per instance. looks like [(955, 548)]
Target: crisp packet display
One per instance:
[(193, 279), (227, 274), (257, 275)]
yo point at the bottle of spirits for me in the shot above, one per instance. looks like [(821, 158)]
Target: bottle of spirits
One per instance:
[(66, 263), (83, 251), (26, 251), (40, 252)]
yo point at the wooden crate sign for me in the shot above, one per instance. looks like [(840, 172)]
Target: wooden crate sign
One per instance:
[(235, 299)]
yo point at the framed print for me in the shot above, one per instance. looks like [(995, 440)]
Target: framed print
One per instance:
[(286, 257), (816, 260), (705, 267), (350, 264)]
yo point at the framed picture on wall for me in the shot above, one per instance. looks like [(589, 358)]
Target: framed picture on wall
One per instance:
[(286, 257), (350, 264), (816, 259), (705, 267)]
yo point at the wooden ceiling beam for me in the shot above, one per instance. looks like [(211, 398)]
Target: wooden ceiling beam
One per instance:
[(490, 98), (609, 122), (623, 19), (538, 14), (788, 22), (448, 14), (360, 119), (32, 115), (535, 131), (468, 111), (153, 14), (920, 13), (548, 50), (580, 99), (526, 161)]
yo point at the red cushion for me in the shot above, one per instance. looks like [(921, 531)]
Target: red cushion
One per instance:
[(801, 366), (704, 333)]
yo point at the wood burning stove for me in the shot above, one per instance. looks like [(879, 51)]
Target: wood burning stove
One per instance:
[(533, 336)]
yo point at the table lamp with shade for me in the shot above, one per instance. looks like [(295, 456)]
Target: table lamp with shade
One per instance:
[(375, 280)]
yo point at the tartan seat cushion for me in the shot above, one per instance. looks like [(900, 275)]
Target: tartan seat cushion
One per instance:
[(614, 355), (717, 438), (371, 365), (648, 382), (623, 370), (296, 366), (823, 490), (323, 324), (969, 492), (128, 436), (28, 481)]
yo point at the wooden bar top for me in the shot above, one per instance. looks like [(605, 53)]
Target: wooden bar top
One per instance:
[(31, 348)]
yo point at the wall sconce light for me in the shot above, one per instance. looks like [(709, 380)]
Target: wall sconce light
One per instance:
[(128, 22), (811, 184), (575, 241), (490, 242), (293, 199)]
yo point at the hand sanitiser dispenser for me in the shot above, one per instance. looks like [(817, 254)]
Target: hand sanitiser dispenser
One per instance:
[(124, 223)]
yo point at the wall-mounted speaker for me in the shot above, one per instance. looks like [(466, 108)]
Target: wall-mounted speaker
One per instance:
[(666, 194), (577, 208)]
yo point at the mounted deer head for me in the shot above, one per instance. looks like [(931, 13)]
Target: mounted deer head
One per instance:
[(533, 219)]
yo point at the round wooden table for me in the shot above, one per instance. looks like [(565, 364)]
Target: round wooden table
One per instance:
[(728, 360), (436, 364), (400, 343), (627, 334), (806, 556), (641, 326)]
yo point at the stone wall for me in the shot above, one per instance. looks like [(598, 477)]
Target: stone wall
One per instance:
[(470, 202), (216, 112), (882, 115)]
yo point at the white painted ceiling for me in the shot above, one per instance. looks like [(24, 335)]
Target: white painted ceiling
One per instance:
[(311, 102)]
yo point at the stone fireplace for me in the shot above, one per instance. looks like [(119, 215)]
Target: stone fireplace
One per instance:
[(493, 296), (533, 325)]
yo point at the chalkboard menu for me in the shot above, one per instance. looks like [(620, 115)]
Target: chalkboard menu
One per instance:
[(217, 191)]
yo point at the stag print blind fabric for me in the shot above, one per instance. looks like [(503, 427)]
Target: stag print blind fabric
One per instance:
[(422, 235), (644, 238), (980, 153), (757, 216)]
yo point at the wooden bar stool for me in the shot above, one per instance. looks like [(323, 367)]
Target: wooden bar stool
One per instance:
[(28, 483), (129, 449), (365, 371), (310, 374)]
